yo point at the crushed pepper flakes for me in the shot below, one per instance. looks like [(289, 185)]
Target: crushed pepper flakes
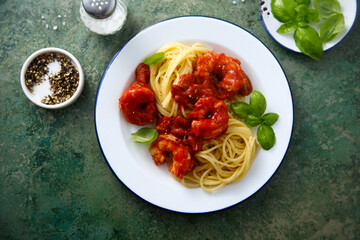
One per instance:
[(62, 84)]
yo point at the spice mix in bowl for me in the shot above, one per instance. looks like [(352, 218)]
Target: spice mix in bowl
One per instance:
[(52, 78)]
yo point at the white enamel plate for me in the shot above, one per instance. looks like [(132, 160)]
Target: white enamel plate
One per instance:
[(348, 8), (132, 163)]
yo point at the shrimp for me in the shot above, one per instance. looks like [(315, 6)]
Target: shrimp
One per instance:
[(165, 146), (181, 128), (191, 88), (209, 118), (142, 73), (138, 104), (232, 79), (178, 125)]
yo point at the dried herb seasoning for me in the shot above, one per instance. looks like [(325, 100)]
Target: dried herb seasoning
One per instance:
[(63, 84)]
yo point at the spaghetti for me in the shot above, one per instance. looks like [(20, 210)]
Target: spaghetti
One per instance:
[(222, 160), (179, 59)]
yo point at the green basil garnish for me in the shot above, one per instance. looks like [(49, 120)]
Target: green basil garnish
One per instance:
[(269, 118), (327, 8), (302, 10), (313, 16), (283, 10), (266, 136), (253, 115), (253, 121), (332, 27), (306, 2), (287, 27), (257, 103), (155, 58), (145, 135), (308, 41), (241, 109), (296, 16)]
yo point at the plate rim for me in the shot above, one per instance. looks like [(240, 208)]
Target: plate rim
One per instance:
[(298, 51), (111, 62)]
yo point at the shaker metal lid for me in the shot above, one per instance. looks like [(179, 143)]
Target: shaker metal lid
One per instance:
[(99, 8)]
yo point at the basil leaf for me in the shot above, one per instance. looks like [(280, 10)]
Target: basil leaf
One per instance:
[(155, 58), (302, 23), (287, 27), (145, 135), (283, 10), (305, 2), (266, 136), (270, 118), (331, 27), (252, 121), (327, 8), (302, 10), (257, 103), (313, 16), (308, 41), (241, 109)]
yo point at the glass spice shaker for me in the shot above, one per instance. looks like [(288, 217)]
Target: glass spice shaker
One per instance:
[(103, 16)]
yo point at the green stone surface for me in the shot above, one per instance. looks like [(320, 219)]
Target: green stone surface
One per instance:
[(56, 184)]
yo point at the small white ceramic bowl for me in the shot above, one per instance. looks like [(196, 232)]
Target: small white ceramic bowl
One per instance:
[(348, 8), (37, 99)]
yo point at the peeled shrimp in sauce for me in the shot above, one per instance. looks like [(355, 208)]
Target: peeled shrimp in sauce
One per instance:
[(167, 145), (138, 101), (181, 128), (191, 88), (142, 73), (209, 118), (228, 72)]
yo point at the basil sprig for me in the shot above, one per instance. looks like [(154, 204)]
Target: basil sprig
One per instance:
[(155, 58), (296, 16), (145, 135), (253, 115)]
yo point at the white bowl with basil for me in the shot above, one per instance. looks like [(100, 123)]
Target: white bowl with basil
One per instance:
[(295, 24)]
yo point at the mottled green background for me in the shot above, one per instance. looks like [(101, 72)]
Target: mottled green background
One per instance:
[(55, 183)]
